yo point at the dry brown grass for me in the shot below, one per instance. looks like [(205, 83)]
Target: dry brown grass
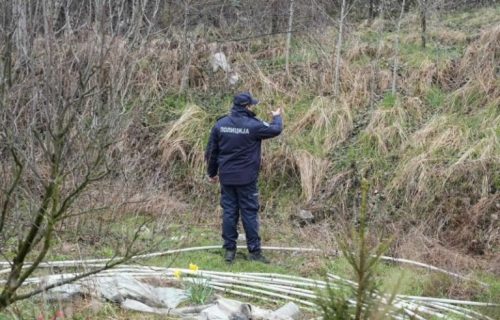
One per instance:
[(343, 123), (333, 118), (419, 172), (388, 128), (440, 132), (157, 203), (359, 50), (356, 87), (182, 140), (421, 80), (477, 227), (318, 116), (278, 161), (325, 124), (416, 245), (312, 170), (448, 174), (480, 61), (383, 80), (448, 37), (448, 75), (483, 150), (287, 163)]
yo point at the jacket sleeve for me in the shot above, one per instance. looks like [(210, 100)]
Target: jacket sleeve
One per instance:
[(212, 153), (270, 130)]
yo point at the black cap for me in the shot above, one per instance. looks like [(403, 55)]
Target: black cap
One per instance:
[(244, 99)]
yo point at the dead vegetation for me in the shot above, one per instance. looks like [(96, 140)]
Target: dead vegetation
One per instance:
[(312, 170), (181, 142), (435, 163), (480, 62)]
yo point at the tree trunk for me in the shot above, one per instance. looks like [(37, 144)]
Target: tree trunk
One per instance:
[(423, 21), (6, 54), (338, 51), (289, 38), (376, 62), (186, 59), (67, 17), (396, 53), (21, 32), (275, 17)]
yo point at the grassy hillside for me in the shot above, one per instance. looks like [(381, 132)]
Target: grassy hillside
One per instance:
[(431, 151)]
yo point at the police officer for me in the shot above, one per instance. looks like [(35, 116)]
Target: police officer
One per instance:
[(233, 157)]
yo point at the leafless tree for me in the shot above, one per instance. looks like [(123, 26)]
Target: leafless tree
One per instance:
[(396, 51), (59, 118), (371, 9), (289, 36), (422, 5), (186, 55), (336, 82)]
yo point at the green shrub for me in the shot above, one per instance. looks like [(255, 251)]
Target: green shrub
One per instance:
[(361, 300)]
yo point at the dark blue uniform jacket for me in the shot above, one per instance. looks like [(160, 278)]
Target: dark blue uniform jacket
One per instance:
[(233, 151)]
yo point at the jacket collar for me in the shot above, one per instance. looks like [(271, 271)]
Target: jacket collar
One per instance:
[(239, 111)]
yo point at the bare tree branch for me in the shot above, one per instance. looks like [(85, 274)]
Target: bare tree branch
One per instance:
[(14, 185), (396, 53)]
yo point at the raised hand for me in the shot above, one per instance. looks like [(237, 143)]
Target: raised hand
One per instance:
[(276, 112)]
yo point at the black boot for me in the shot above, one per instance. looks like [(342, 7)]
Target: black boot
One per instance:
[(257, 256), (230, 255)]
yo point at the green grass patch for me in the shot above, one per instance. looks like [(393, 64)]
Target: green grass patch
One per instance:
[(364, 154), (166, 110), (473, 20), (388, 101), (172, 105), (435, 98), (370, 36), (214, 260), (414, 55)]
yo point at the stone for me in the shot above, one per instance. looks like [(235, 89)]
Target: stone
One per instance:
[(303, 218)]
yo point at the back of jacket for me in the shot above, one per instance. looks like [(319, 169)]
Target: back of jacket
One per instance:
[(234, 148)]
